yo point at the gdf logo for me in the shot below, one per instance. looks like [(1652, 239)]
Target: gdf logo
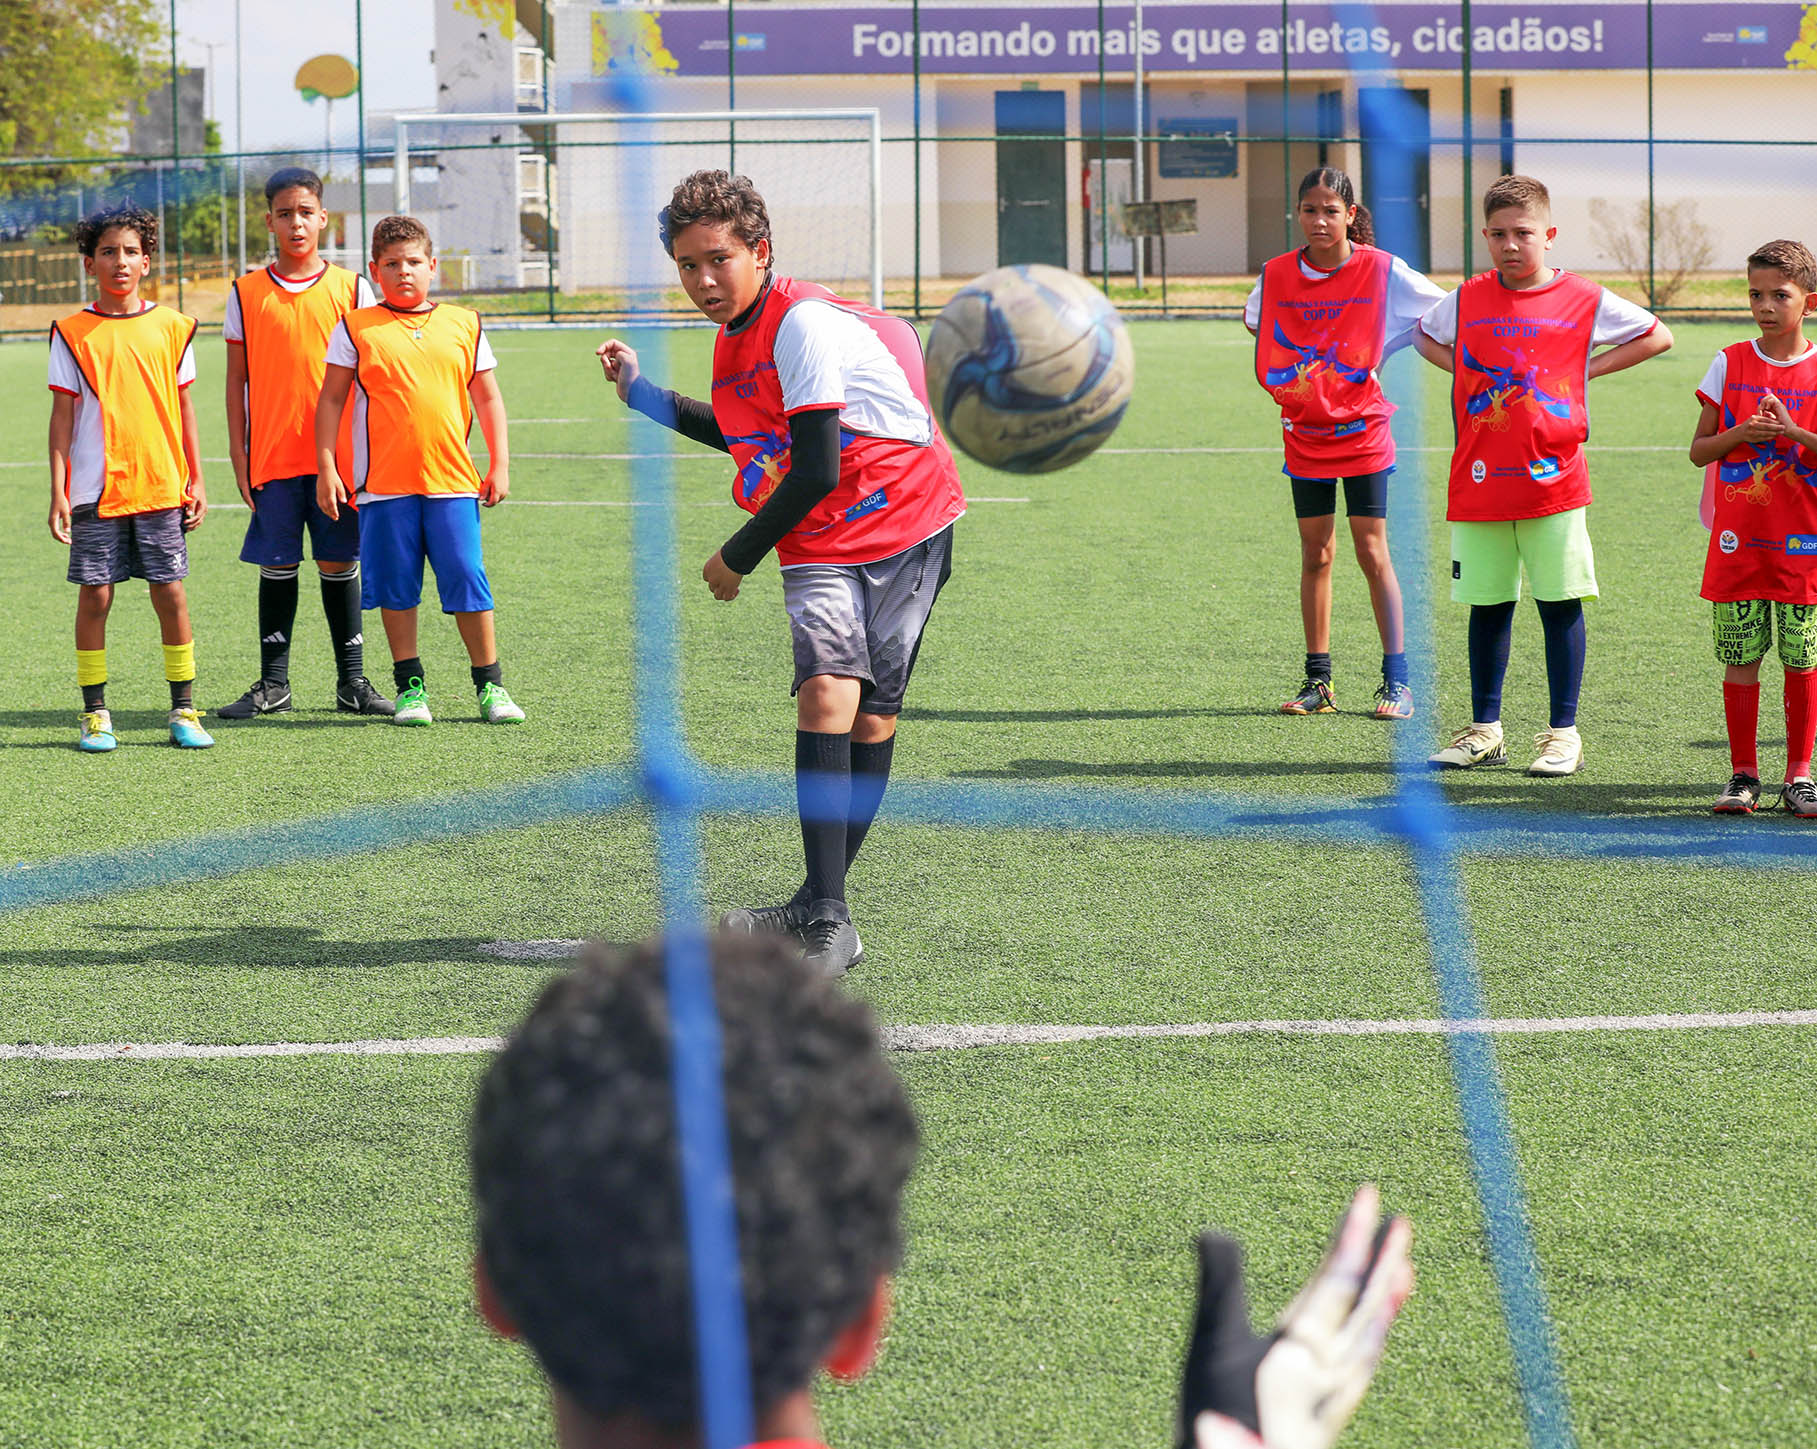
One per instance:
[(1728, 543), (1478, 472)]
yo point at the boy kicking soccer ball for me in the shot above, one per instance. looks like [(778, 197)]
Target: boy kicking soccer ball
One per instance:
[(126, 464), (1518, 341), (417, 371), (277, 327), (821, 402), (1757, 436)]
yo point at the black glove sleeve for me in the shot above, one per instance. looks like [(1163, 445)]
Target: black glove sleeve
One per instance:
[(813, 474), (685, 415), (1223, 1354)]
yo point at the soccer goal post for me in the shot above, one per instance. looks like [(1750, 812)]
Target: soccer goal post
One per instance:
[(532, 202)]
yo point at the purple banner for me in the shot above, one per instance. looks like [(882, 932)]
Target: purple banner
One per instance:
[(1049, 39)]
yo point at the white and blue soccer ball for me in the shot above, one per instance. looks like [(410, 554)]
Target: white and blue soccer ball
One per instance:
[(1029, 368)]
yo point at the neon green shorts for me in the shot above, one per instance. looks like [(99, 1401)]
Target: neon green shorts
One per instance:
[(1744, 632), (1488, 559)]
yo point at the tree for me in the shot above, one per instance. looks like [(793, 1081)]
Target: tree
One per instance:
[(69, 69)]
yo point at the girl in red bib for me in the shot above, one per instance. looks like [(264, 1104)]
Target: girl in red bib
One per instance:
[(1324, 317), (823, 406), (1757, 440)]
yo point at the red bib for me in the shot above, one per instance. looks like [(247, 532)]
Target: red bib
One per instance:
[(1517, 398), (1318, 344), (891, 494), (1763, 532)]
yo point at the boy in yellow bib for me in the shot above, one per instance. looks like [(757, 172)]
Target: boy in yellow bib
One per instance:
[(126, 463), (417, 372)]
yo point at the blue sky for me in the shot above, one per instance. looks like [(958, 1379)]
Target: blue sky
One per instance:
[(277, 36)]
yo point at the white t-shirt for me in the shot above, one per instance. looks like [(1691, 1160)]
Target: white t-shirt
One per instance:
[(233, 326), (826, 357), (342, 353), (88, 443), (1717, 378), (1617, 320), (1410, 296)]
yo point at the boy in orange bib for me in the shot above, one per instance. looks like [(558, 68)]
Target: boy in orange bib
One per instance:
[(278, 322), (126, 463), (1757, 440), (417, 372)]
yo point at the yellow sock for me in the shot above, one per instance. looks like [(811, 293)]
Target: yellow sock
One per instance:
[(91, 666), (179, 662)]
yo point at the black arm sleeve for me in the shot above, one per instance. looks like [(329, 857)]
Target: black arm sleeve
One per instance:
[(685, 415), (813, 474)]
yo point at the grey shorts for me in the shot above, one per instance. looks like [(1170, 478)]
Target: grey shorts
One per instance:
[(147, 546), (865, 621)]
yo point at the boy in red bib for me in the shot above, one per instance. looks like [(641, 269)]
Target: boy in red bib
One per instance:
[(1757, 440), (1324, 317), (822, 404), (1518, 342)]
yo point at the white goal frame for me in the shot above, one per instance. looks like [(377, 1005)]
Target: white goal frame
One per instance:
[(529, 119)]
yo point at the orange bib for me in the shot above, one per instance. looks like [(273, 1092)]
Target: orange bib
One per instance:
[(414, 368), (131, 365), (286, 340)]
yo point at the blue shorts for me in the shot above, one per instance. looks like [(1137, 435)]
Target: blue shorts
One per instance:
[(398, 533), (282, 509)]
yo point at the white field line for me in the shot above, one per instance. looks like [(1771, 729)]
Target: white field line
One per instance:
[(946, 1038)]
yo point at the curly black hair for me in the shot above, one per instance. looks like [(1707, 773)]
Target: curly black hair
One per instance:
[(575, 1172), (720, 199), (129, 216)]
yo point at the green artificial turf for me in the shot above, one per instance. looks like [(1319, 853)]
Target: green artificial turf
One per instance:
[(274, 1251)]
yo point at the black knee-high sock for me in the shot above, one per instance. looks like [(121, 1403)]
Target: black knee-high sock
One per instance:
[(277, 621), (1563, 621), (1491, 634), (823, 797), (870, 778), (341, 605)]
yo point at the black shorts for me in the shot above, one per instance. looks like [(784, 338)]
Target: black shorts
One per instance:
[(147, 546), (1365, 496)]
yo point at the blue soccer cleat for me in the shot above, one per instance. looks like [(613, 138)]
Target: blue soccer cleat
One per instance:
[(186, 731), (97, 733)]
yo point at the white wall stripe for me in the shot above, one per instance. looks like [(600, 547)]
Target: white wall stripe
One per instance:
[(947, 1038)]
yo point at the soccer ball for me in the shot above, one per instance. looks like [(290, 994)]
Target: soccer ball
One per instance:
[(1029, 368)]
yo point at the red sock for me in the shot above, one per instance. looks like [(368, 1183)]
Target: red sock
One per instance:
[(1800, 721), (1741, 706)]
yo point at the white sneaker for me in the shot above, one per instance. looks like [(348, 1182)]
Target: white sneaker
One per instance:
[(1561, 752), (1475, 744)]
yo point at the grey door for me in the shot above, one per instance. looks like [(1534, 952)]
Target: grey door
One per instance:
[(1396, 128), (1031, 178)]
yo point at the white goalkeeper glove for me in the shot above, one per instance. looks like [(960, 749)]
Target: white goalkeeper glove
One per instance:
[(1298, 1387)]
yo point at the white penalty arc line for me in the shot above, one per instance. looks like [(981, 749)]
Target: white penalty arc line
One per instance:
[(945, 1037)]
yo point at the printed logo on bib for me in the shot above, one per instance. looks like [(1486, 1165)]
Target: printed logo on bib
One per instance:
[(1801, 543), (1728, 543), (877, 500), (1478, 471), (1542, 469), (1344, 430), (1286, 425)]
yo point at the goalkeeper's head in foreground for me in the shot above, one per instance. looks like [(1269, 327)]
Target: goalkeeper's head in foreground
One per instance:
[(582, 1239)]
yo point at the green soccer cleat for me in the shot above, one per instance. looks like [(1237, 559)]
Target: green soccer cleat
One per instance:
[(495, 706), (412, 705), (186, 731), (1315, 697), (97, 732)]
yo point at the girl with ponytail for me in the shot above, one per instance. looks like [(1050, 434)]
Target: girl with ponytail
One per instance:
[(1324, 317)]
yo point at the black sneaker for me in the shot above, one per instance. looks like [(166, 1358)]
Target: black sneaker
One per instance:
[(783, 920), (268, 696), (1315, 697), (1799, 799), (357, 696), (833, 947), (1741, 796)]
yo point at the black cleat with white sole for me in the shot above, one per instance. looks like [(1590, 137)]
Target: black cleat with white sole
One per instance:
[(268, 696), (832, 945), (357, 696)]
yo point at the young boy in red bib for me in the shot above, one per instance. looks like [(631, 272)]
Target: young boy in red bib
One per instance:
[(1324, 317), (1518, 342), (1757, 440), (823, 406)]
